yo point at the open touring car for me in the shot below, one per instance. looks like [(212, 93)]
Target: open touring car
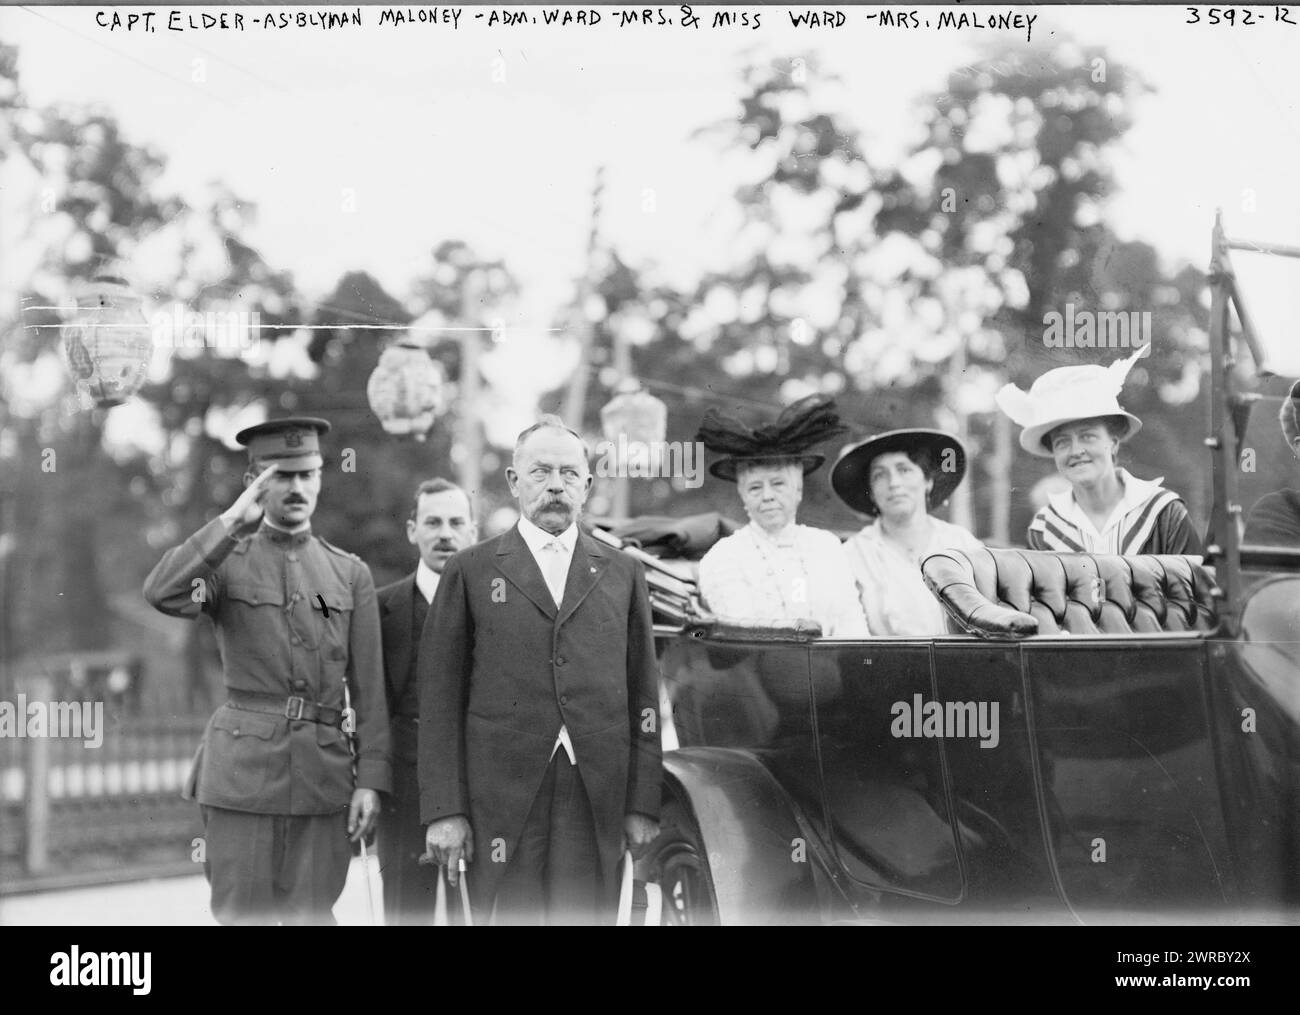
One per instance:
[(1097, 739)]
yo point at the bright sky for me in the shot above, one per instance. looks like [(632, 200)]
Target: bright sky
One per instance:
[(416, 128)]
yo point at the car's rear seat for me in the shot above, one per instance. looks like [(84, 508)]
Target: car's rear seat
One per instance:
[(1015, 593)]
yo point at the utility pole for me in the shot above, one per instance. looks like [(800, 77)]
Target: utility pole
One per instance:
[(470, 468), (577, 396), (622, 489), (959, 512)]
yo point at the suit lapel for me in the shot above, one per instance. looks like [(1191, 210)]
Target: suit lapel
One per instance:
[(398, 609), (585, 569), (515, 561)]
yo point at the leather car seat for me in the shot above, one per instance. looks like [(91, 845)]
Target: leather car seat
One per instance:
[(1007, 593)]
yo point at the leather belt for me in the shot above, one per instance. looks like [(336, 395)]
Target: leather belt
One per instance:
[(293, 707)]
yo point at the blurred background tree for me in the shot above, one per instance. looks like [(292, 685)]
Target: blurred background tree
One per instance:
[(909, 287), (91, 192), (914, 291), (1004, 196)]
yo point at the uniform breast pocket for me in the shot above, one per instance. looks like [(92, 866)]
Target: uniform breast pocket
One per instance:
[(255, 611), (332, 621)]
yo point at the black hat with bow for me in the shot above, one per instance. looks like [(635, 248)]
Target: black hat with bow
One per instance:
[(798, 428)]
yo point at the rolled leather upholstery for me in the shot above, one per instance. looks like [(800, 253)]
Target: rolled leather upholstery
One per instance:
[(1014, 593)]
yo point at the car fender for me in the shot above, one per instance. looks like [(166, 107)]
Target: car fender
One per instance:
[(760, 860)]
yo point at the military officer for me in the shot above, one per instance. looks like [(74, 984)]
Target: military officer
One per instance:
[(298, 627)]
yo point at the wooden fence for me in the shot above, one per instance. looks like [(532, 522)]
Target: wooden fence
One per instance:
[(71, 811)]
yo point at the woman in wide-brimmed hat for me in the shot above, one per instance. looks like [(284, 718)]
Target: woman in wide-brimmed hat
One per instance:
[(773, 569), (1073, 415), (1275, 518), (895, 478)]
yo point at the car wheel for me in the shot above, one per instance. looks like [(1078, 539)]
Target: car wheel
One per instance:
[(677, 863)]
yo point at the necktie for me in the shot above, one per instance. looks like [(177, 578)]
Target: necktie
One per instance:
[(555, 569)]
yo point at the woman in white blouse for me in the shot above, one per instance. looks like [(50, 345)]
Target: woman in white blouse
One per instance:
[(774, 570), (896, 478)]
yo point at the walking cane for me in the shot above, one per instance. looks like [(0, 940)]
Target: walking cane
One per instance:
[(464, 893), (440, 918), (365, 873), (349, 727), (653, 897), (624, 918)]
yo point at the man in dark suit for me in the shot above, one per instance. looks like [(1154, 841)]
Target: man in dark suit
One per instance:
[(441, 523), (539, 725)]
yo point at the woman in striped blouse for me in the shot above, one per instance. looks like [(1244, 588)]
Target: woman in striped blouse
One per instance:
[(1073, 415)]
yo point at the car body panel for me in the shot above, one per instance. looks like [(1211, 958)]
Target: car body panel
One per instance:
[(1116, 785)]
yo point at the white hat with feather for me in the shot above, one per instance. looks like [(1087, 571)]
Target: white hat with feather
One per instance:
[(1067, 395)]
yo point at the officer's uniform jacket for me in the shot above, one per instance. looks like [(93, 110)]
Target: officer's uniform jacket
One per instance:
[(294, 617)]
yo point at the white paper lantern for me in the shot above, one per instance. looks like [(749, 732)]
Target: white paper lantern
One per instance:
[(108, 345), (406, 390), (635, 415)]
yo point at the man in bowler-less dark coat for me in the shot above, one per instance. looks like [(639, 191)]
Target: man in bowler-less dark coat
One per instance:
[(539, 725), (441, 524)]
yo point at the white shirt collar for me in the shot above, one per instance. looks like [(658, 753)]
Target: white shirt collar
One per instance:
[(426, 580), (537, 537), (1136, 493)]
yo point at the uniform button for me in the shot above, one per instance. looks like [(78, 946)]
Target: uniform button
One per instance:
[(300, 685), (559, 661), (563, 700), (297, 641), (293, 557), (294, 598)]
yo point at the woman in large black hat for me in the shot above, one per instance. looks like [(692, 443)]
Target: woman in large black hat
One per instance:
[(895, 479), (774, 570)]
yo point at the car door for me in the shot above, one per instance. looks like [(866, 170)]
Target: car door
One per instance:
[(885, 796), (1125, 765)]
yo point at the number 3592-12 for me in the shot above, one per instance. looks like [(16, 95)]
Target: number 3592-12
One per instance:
[(1236, 16)]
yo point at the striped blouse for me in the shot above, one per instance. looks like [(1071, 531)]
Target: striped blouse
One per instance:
[(1148, 519)]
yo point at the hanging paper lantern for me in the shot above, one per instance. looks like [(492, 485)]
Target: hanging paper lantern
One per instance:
[(108, 345), (406, 390), (634, 419)]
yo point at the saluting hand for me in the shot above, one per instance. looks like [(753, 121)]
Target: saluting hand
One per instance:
[(446, 841), (247, 510)]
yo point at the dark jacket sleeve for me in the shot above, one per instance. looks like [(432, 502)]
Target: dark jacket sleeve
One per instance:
[(1174, 532), (443, 666), (365, 677), (186, 581), (1275, 520), (645, 766)]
